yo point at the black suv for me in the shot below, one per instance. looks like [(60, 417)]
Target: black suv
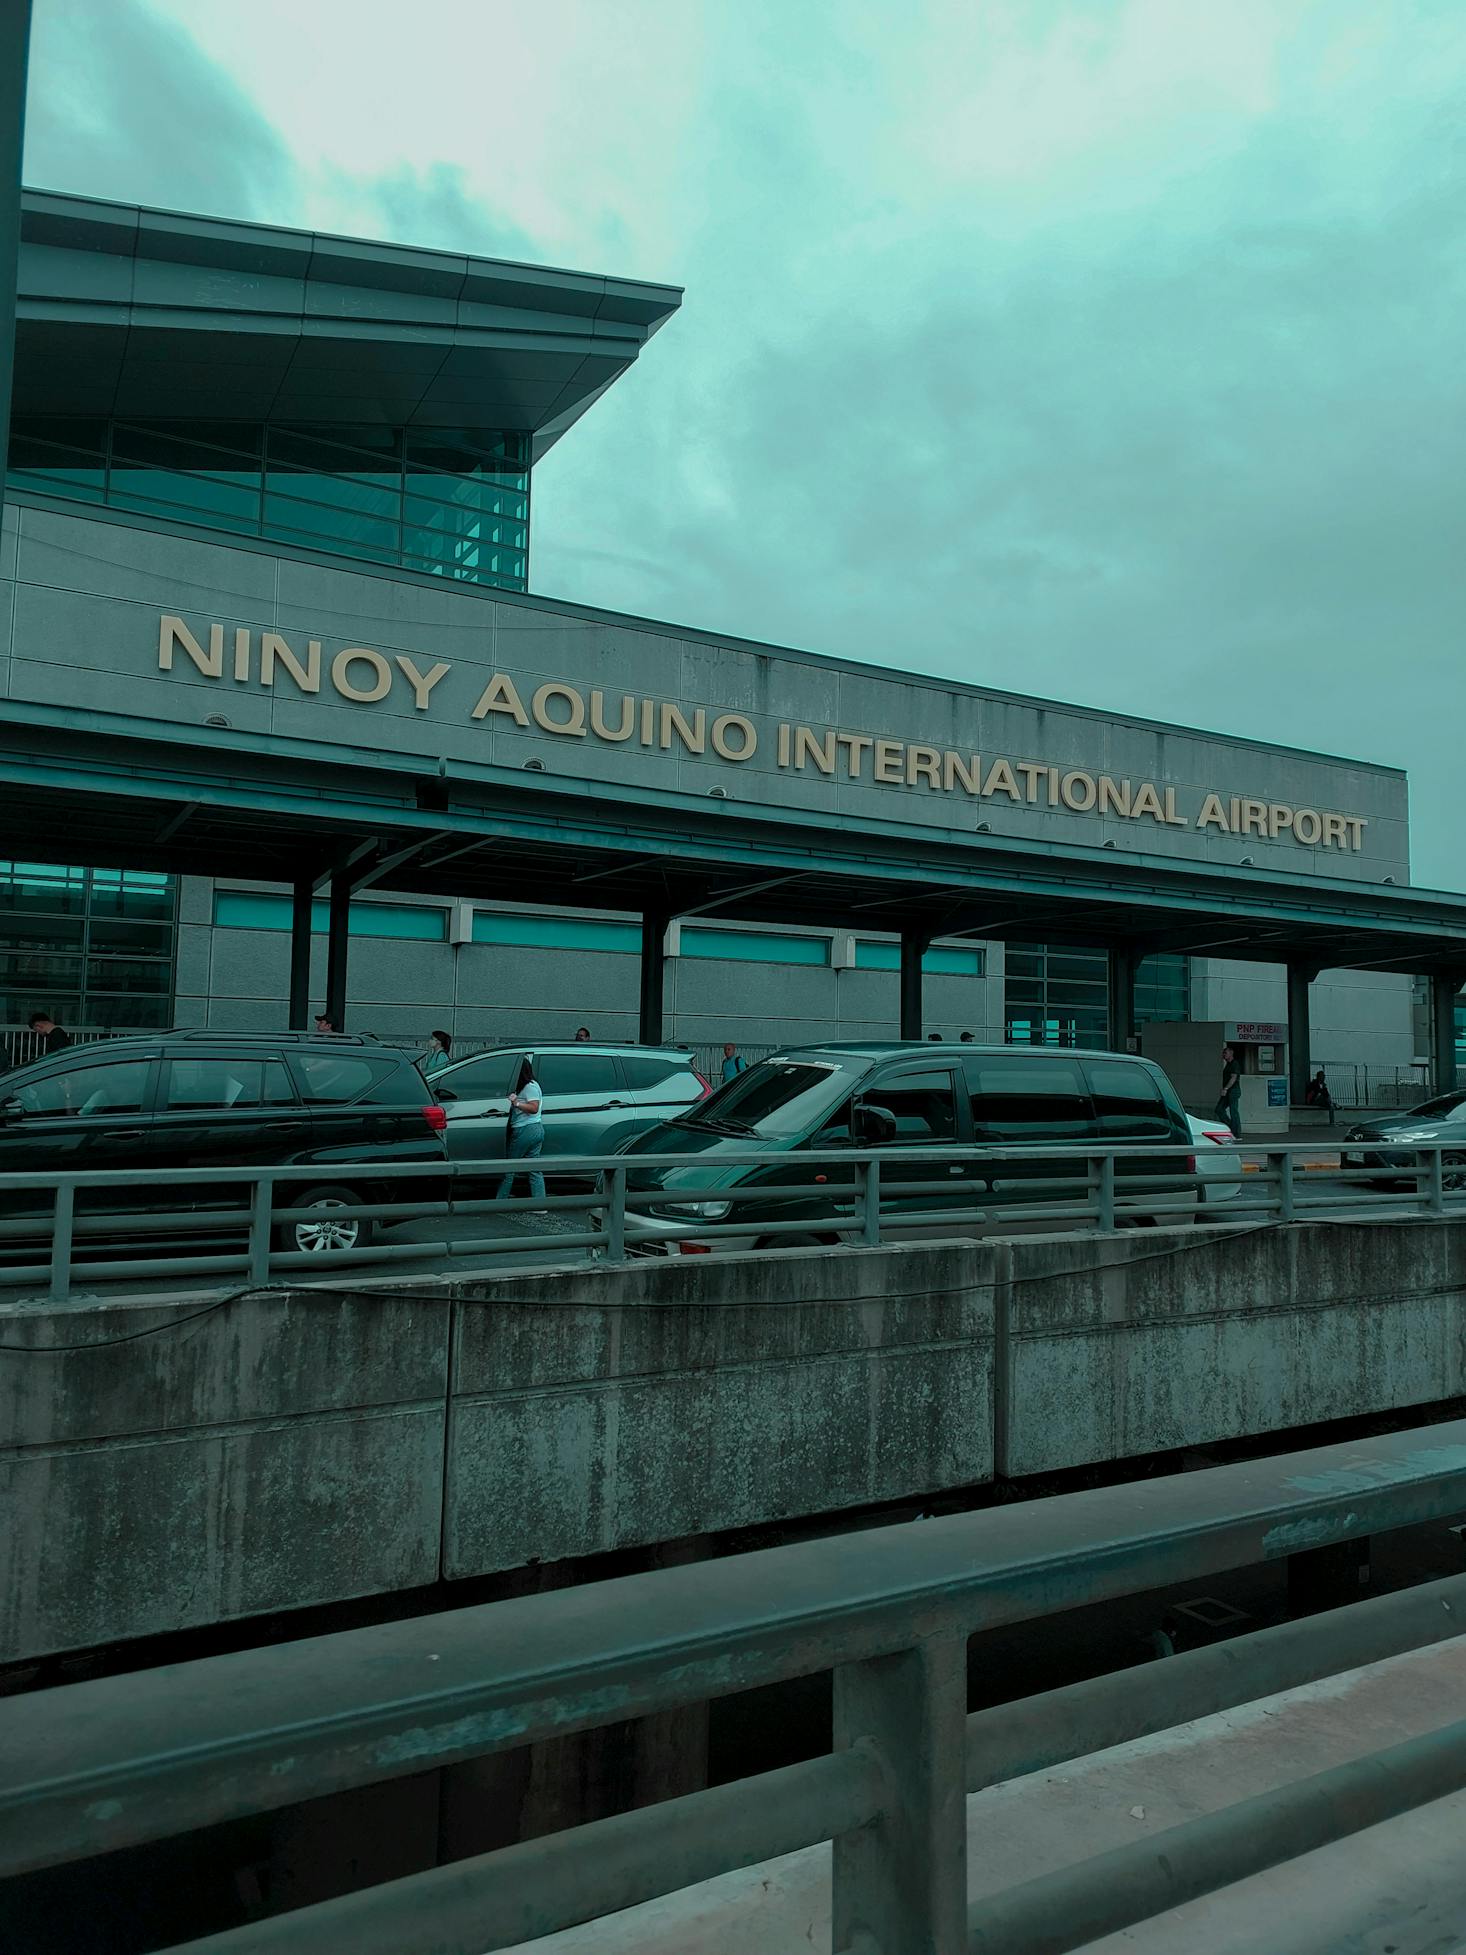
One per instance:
[(171, 1101)]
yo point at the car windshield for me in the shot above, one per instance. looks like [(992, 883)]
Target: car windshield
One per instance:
[(1447, 1106), (777, 1096)]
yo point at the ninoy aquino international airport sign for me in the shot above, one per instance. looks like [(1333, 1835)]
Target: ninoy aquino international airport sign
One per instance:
[(449, 690)]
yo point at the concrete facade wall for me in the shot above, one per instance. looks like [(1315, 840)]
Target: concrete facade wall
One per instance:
[(291, 1448), (87, 593), (480, 992)]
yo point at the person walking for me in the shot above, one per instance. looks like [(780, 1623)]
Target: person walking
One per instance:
[(1229, 1100), (582, 1036), (325, 1024), (732, 1064), (437, 1054), (53, 1037), (1318, 1095), (526, 1131)]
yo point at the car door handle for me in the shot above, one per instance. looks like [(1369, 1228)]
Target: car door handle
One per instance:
[(621, 1103), (127, 1133), (280, 1126), (958, 1170)]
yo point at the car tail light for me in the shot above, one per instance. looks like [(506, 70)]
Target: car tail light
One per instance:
[(694, 1249), (436, 1117), (1224, 1137), (705, 1084), (1191, 1164)]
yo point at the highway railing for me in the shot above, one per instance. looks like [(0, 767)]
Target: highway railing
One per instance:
[(91, 1768), (233, 1225)]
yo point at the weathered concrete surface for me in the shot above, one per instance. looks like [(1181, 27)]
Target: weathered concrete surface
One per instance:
[(1113, 1347), (291, 1448), (599, 1408), (279, 1451)]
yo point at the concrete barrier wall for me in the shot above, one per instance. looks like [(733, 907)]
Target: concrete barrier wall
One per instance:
[(603, 1408), (1111, 1348), (278, 1451), (300, 1447)]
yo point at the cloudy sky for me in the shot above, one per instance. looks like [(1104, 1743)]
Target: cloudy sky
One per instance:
[(1110, 350)]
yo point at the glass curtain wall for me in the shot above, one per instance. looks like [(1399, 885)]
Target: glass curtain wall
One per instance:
[(1055, 994), (450, 502), (92, 947)]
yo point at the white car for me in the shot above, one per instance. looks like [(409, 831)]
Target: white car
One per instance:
[(1218, 1161)]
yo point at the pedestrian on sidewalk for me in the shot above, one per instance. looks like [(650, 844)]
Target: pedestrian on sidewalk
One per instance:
[(732, 1063), (438, 1053), (53, 1037), (1229, 1100), (1318, 1095), (526, 1136)]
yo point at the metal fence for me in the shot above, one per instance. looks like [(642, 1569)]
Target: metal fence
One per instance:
[(58, 1231), (90, 1768)]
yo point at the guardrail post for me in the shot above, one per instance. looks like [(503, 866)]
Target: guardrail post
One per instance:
[(64, 1216), (870, 1205), (1107, 1193), (616, 1217), (901, 1881), (1437, 1193), (262, 1200), (1285, 1184)]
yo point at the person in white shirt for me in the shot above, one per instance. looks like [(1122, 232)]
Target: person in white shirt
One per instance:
[(526, 1130)]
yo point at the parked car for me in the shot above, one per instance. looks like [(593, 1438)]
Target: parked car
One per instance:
[(1218, 1161), (168, 1102), (1386, 1140), (899, 1097), (596, 1097)]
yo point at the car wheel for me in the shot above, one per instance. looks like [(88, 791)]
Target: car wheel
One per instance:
[(1453, 1173), (315, 1232)]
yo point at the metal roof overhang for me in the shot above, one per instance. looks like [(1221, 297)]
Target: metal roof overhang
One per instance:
[(143, 315), (100, 789)]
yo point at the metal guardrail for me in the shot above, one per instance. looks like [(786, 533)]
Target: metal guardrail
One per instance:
[(90, 1768), (877, 1192)]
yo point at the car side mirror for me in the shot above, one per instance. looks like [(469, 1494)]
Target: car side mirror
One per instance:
[(11, 1110), (446, 1093), (874, 1126)]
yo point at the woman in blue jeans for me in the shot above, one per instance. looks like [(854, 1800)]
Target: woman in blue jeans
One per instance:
[(526, 1131)]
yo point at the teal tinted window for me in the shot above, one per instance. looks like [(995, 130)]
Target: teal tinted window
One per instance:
[(942, 960), (248, 909), (1163, 990), (92, 947), (448, 502), (557, 932), (755, 947), (1056, 995)]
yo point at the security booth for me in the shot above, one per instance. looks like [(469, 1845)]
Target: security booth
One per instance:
[(1191, 1056)]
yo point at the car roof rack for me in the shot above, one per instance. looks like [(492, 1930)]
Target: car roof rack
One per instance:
[(220, 1034)]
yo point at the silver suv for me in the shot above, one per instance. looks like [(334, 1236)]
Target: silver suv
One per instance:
[(597, 1097)]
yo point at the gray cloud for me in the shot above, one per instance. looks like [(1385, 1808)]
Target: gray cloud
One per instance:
[(122, 104)]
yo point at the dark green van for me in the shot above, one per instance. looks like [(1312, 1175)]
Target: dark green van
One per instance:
[(916, 1097)]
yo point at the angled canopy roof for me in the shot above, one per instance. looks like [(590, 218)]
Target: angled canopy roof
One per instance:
[(149, 314)]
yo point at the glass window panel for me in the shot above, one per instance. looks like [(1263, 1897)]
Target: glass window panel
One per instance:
[(112, 974), (487, 1078), (377, 496), (29, 970), (144, 489), (130, 892), (288, 513), (212, 446), (331, 1078), (578, 1075), (459, 450), (106, 1089), (349, 449), (755, 947), (213, 1085), (557, 932), (1014, 1098), (1128, 1101), (21, 931), (128, 1014), (141, 936), (922, 1104)]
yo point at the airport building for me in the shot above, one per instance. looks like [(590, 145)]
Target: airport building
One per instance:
[(282, 722)]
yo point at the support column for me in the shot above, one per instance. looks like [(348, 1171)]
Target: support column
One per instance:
[(913, 948), (338, 943), (15, 31), (301, 904), (1124, 961), (1300, 1061), (653, 977), (1445, 986)]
